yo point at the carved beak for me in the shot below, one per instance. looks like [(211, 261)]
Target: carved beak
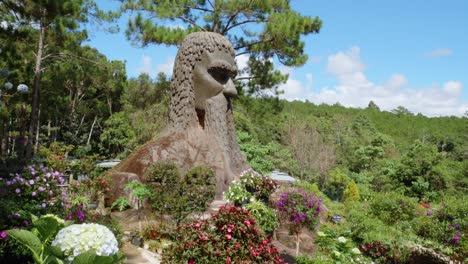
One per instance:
[(230, 89)]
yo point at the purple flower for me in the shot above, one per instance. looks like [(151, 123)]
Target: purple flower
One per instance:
[(3, 234), (31, 182), (48, 175), (41, 189), (33, 194), (26, 223), (17, 190), (51, 192), (8, 183), (428, 213), (44, 205)]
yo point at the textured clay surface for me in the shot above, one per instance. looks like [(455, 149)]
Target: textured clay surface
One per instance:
[(194, 136)]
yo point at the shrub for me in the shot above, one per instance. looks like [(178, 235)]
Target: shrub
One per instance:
[(299, 208), (179, 196), (264, 216), (237, 194), (164, 173), (231, 235), (258, 185), (35, 191), (393, 207), (446, 224), (338, 246), (199, 186), (351, 193)]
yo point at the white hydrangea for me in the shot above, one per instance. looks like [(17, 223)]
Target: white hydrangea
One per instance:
[(22, 88), (8, 85), (76, 239), (342, 239)]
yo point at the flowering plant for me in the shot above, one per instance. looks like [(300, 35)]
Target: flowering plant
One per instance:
[(230, 236), (265, 216), (299, 208), (37, 241), (237, 194), (76, 239), (38, 185), (338, 246), (259, 185)]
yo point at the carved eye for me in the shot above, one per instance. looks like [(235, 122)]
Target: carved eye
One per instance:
[(221, 75)]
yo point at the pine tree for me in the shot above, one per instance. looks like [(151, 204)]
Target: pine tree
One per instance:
[(55, 23), (261, 29)]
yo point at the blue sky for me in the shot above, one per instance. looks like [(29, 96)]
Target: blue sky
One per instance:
[(410, 53)]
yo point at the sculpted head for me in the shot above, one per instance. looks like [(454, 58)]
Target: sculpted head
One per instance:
[(204, 68)]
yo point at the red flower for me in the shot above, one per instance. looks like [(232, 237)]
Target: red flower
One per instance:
[(191, 261), (247, 223)]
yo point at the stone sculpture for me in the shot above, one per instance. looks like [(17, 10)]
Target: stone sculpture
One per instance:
[(201, 127)]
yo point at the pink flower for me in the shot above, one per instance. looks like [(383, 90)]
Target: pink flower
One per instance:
[(228, 236), (3, 234), (247, 223), (228, 260), (31, 182), (33, 194), (17, 190), (197, 224)]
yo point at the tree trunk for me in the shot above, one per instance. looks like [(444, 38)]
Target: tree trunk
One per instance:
[(36, 146), (91, 131), (35, 98)]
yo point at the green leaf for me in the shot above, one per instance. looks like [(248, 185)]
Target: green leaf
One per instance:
[(85, 258), (27, 238), (90, 257), (47, 227), (56, 251)]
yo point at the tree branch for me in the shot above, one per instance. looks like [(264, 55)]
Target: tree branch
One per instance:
[(211, 4), (234, 16), (246, 78), (244, 22), (253, 43), (191, 22), (199, 8)]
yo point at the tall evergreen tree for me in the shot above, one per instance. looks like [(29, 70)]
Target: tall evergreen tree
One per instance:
[(261, 29), (56, 22)]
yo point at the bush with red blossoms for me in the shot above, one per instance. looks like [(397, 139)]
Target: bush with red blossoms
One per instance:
[(230, 236), (299, 208)]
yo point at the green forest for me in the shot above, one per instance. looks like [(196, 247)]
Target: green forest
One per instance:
[(397, 179)]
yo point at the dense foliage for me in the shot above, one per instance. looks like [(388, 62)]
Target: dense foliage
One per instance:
[(231, 235)]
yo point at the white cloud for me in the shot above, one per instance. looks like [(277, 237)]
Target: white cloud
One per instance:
[(315, 59), (241, 62), (293, 89), (355, 90), (147, 66), (166, 67), (439, 52)]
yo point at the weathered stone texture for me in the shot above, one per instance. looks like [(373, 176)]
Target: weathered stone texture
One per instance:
[(201, 79)]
